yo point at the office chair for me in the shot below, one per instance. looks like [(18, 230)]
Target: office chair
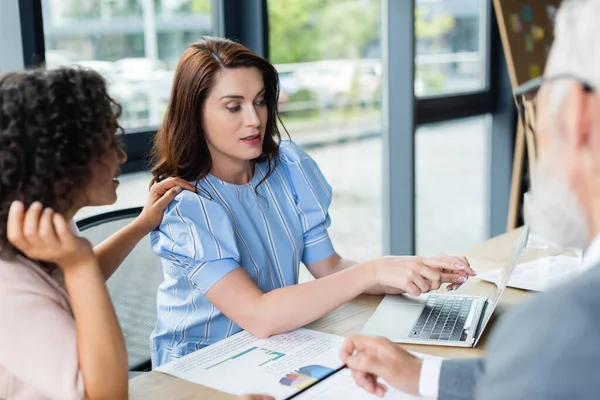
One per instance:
[(132, 287)]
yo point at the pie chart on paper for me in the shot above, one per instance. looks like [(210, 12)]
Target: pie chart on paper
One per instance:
[(305, 376)]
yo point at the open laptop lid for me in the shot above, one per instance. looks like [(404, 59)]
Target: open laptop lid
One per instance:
[(507, 271)]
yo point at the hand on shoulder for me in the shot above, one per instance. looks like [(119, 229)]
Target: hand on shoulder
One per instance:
[(161, 195)]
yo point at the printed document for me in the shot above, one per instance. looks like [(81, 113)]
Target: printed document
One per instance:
[(538, 275), (280, 366), (341, 386)]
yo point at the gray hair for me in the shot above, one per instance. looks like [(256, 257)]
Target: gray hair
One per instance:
[(576, 48)]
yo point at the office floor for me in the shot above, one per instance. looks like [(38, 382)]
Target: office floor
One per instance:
[(451, 213)]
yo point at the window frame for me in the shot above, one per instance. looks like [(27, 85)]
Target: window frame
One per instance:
[(242, 20), (446, 107), (495, 99)]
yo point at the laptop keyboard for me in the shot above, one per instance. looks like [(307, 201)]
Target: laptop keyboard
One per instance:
[(443, 318)]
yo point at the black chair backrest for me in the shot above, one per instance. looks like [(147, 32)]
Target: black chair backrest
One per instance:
[(133, 286)]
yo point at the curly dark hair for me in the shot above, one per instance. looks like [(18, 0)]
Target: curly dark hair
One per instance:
[(53, 125)]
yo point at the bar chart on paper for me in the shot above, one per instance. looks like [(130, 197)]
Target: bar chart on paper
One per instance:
[(279, 366), (252, 357)]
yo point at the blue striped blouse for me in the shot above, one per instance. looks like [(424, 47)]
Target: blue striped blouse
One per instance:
[(223, 226)]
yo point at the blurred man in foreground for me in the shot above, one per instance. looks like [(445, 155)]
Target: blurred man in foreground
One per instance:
[(547, 348)]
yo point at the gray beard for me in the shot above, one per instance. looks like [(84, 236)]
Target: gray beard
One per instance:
[(553, 211)]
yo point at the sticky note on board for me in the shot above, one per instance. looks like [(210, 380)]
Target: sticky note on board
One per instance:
[(534, 71), (515, 23), (528, 43), (527, 13), (537, 33)]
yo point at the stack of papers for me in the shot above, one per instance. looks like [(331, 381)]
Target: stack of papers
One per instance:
[(280, 366), (538, 275)]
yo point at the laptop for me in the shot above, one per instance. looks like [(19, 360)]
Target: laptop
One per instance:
[(441, 319)]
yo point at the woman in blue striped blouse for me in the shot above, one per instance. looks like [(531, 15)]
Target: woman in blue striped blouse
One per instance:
[(231, 251)]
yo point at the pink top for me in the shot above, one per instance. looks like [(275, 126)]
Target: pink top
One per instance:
[(38, 343)]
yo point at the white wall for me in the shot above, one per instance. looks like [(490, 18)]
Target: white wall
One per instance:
[(11, 46)]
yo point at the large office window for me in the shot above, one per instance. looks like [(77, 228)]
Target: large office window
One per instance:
[(452, 158), (328, 54), (450, 46), (135, 44), (451, 182)]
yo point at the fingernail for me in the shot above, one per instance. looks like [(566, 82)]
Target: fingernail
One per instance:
[(48, 210), (15, 204), (178, 189), (459, 266), (36, 204), (474, 273), (449, 288), (462, 279)]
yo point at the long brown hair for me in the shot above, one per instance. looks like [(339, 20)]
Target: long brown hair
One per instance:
[(180, 147)]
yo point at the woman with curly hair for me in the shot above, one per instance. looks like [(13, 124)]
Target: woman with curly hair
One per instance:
[(232, 250), (59, 152)]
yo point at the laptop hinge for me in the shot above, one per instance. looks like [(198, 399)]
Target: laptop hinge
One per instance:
[(481, 320)]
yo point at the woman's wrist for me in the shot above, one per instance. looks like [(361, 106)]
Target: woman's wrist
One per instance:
[(141, 226), (72, 265), (369, 272)]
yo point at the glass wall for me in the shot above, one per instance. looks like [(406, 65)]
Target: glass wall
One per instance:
[(135, 44), (450, 46), (328, 54), (451, 182)]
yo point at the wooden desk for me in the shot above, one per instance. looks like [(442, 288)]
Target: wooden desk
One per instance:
[(351, 317)]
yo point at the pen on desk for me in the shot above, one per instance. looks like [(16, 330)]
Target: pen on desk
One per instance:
[(316, 383)]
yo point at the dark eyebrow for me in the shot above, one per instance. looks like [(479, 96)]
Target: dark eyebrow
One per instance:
[(232, 96), (237, 96)]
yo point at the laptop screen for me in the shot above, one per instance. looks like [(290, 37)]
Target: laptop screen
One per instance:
[(504, 277)]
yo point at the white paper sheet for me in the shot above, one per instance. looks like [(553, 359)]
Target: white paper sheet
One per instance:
[(279, 366), (538, 275), (342, 386)]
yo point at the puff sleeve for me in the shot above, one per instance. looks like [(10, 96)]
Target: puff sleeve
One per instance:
[(197, 234), (313, 195)]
